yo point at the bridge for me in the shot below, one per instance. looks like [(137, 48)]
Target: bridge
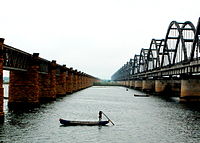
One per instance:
[(34, 80), (169, 66)]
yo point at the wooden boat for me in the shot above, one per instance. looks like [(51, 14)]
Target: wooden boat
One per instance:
[(87, 123), (141, 95)]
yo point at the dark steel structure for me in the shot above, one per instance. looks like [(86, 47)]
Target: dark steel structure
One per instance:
[(176, 55), (18, 60)]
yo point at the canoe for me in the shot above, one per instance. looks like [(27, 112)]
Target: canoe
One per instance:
[(141, 95), (87, 123)]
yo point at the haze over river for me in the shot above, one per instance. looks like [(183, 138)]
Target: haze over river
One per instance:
[(137, 119)]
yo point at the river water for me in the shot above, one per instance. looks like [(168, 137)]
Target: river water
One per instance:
[(137, 119)]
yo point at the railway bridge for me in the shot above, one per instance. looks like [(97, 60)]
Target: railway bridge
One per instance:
[(169, 65), (34, 80)]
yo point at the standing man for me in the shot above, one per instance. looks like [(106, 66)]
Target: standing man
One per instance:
[(100, 115)]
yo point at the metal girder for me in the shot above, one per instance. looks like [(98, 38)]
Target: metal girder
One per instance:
[(172, 54)]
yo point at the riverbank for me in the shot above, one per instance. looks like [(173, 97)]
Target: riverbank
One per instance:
[(104, 83)]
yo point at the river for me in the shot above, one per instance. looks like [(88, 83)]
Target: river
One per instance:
[(137, 119)]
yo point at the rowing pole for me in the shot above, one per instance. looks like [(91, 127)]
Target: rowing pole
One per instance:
[(108, 118)]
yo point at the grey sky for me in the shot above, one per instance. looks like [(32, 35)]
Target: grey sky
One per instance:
[(94, 36)]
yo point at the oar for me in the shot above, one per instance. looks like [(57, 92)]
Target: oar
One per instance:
[(108, 118)]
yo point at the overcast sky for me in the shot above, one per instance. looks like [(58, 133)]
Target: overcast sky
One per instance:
[(94, 36)]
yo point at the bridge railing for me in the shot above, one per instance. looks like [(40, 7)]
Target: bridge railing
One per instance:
[(15, 59)]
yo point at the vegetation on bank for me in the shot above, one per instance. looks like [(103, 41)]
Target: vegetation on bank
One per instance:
[(106, 83)]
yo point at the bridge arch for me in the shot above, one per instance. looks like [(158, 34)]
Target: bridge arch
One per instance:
[(195, 52), (136, 64), (178, 43), (154, 55), (143, 60)]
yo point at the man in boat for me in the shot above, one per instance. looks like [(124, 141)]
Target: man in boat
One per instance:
[(100, 115)]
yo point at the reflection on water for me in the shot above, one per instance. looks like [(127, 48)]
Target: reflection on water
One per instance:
[(137, 119), (6, 87)]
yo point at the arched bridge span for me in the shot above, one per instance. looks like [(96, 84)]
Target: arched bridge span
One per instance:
[(168, 62)]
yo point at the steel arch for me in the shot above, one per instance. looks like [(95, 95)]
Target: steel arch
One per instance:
[(143, 60), (136, 64), (175, 32), (196, 44), (154, 55)]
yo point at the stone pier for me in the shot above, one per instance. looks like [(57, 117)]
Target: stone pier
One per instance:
[(48, 84), (61, 81), (1, 81), (79, 81), (24, 86), (69, 81), (75, 81), (34, 80)]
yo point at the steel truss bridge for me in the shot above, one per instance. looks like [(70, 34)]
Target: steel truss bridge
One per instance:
[(177, 55), (170, 65)]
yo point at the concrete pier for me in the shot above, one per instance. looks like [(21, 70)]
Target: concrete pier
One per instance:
[(138, 84), (148, 85), (133, 84), (168, 87), (190, 90), (160, 86)]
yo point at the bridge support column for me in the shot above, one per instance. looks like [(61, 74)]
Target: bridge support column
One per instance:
[(78, 83), (169, 87), (48, 84), (138, 84), (133, 84), (124, 83), (160, 86), (1, 81), (75, 81), (69, 81), (175, 87), (148, 85), (81, 81), (127, 83), (85, 79), (190, 90), (61, 82), (44, 86), (24, 86)]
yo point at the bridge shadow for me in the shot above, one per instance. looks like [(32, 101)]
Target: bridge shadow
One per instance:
[(19, 109), (171, 97), (191, 106)]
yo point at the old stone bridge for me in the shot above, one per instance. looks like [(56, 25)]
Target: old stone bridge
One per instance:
[(34, 79)]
